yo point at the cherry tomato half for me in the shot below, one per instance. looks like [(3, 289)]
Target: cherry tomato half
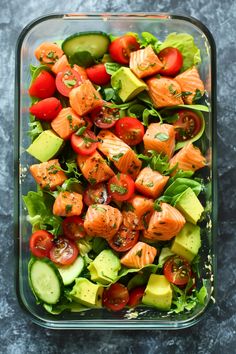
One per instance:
[(121, 48), (73, 227), (46, 109), (105, 117), (98, 75), (187, 125), (172, 60), (84, 144), (124, 239), (41, 243), (177, 270), (135, 296), (121, 187), (67, 80), (116, 297), (43, 86), (64, 251), (130, 130), (97, 194)]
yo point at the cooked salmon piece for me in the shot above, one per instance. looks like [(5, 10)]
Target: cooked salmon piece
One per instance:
[(144, 62), (139, 256), (60, 65), (190, 81), (189, 158), (164, 92), (123, 157), (139, 213), (81, 71), (84, 98), (150, 183), (164, 224), (48, 174), (161, 138), (102, 221), (67, 122), (94, 168), (48, 53), (68, 204)]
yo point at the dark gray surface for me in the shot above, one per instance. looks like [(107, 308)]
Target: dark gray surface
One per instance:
[(217, 332)]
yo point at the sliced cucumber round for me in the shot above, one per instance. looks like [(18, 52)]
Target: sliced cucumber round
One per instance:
[(45, 280), (69, 273)]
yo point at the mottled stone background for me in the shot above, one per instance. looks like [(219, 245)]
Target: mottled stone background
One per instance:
[(217, 333)]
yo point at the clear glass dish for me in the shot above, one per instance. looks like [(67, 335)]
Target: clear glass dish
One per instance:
[(54, 27)]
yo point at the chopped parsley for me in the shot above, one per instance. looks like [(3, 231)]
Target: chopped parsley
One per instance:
[(171, 89), (197, 95), (119, 189), (99, 208), (70, 83), (162, 136), (117, 157), (150, 184), (80, 131), (139, 253), (92, 180), (68, 208)]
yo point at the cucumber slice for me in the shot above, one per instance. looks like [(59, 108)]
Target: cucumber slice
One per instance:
[(69, 273), (96, 43), (45, 280)]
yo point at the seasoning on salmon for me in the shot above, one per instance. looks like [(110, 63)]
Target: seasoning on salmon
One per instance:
[(48, 174), (139, 256), (84, 98), (145, 62), (164, 224), (189, 158), (161, 138), (137, 213), (94, 168), (164, 92), (150, 183), (102, 221), (66, 123), (190, 83), (48, 53), (68, 204), (81, 71), (60, 65), (123, 157)]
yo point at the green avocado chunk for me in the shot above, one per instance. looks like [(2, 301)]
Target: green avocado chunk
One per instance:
[(87, 293), (129, 85), (158, 292), (189, 205), (188, 242), (104, 268), (45, 146)]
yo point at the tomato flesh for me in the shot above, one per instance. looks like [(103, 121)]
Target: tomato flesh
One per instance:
[(121, 48), (187, 126), (124, 239), (135, 296), (97, 194), (64, 251), (177, 270), (172, 60), (67, 80), (73, 227), (116, 297), (105, 117), (98, 75), (85, 144), (47, 109), (41, 243), (121, 187), (43, 86), (130, 130)]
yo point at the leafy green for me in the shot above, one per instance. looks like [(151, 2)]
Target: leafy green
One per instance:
[(84, 245), (72, 185), (195, 107), (150, 112), (157, 162), (36, 70), (35, 129), (147, 39), (65, 306), (111, 68), (124, 271), (141, 278), (71, 169), (99, 244), (82, 58), (136, 110)]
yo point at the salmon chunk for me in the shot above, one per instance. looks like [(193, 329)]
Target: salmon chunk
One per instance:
[(48, 53), (150, 183), (48, 174), (139, 212), (139, 256), (81, 71), (190, 82), (66, 123), (60, 65), (68, 204)]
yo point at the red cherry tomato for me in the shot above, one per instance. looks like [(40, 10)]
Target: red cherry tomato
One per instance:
[(116, 297), (121, 48), (46, 109), (67, 80), (73, 227), (135, 296), (187, 125), (105, 117), (172, 60), (124, 239), (41, 243), (130, 130), (64, 251), (98, 75), (121, 187), (43, 86), (85, 144), (177, 270), (97, 194), (88, 123)]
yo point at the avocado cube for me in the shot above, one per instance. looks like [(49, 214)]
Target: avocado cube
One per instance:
[(45, 146), (189, 205), (87, 293), (104, 268), (188, 242), (127, 83), (158, 292)]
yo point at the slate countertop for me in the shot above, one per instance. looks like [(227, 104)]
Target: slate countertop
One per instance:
[(217, 332)]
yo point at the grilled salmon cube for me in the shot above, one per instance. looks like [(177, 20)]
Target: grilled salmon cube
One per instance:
[(150, 183), (161, 138), (84, 98), (139, 212), (81, 71), (66, 123), (48, 53), (60, 65), (94, 168), (164, 92), (68, 204), (139, 256), (145, 62), (48, 174)]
